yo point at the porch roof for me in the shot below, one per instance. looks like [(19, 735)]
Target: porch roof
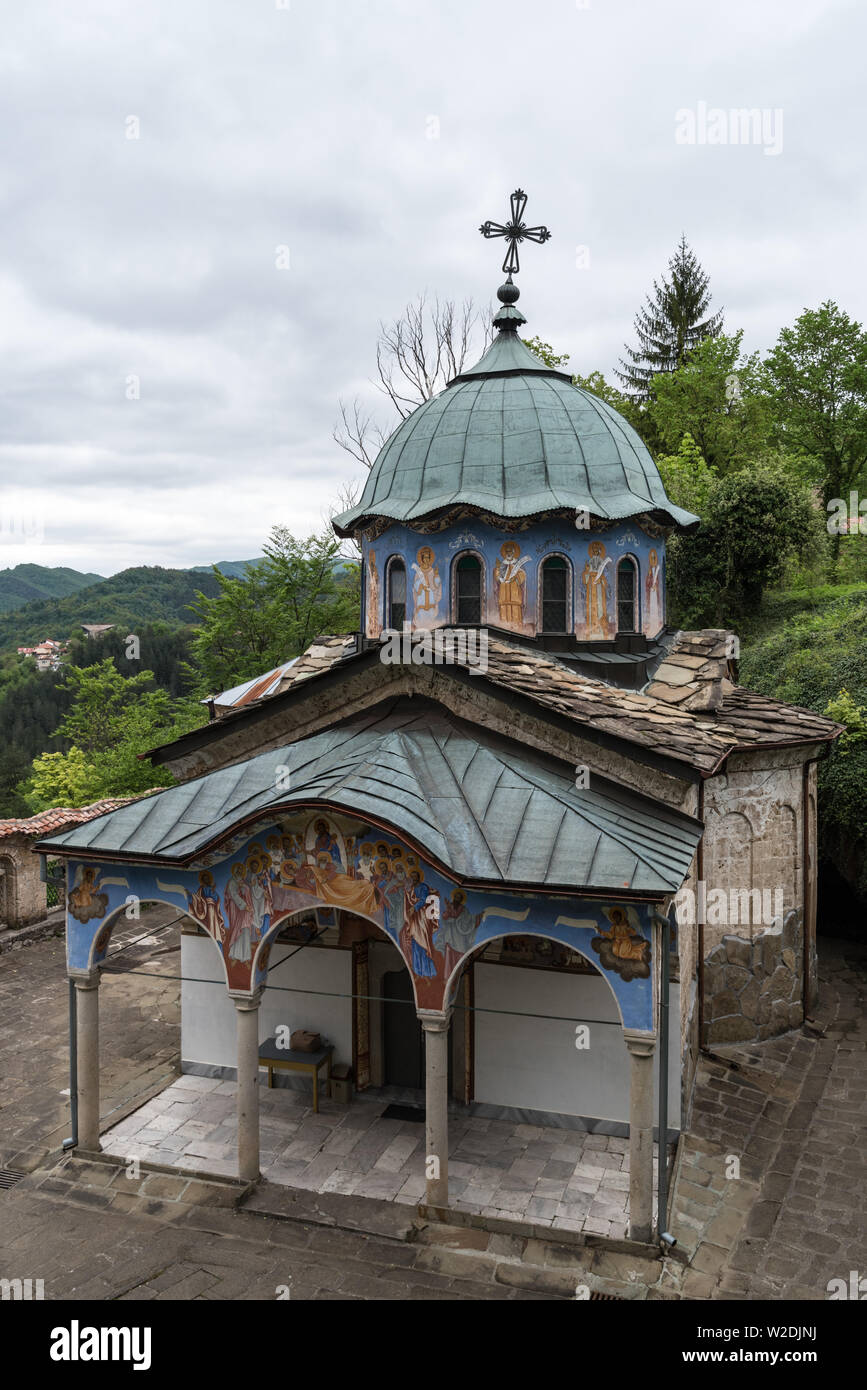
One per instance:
[(485, 808)]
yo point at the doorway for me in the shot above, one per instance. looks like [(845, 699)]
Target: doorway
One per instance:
[(402, 1033)]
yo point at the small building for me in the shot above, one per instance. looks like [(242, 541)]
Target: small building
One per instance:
[(488, 829)]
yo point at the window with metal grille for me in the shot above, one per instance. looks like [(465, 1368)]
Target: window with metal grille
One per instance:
[(627, 590), (54, 882), (555, 594), (396, 610), (468, 590)]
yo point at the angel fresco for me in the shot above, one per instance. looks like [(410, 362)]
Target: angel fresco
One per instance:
[(623, 948), (85, 901)]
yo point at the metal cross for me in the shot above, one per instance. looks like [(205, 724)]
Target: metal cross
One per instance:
[(515, 231)]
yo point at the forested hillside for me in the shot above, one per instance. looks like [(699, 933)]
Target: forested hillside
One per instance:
[(28, 583), (131, 599)]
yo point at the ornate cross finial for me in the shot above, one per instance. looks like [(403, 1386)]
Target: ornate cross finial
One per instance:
[(514, 232)]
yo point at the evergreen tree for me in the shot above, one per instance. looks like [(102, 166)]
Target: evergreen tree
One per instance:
[(671, 323)]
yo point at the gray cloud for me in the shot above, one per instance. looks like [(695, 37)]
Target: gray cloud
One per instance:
[(309, 127)]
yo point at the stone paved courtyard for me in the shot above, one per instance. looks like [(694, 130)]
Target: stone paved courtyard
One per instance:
[(794, 1109), (563, 1178)]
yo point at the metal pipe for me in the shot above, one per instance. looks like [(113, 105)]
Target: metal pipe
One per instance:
[(72, 1142), (662, 1144)]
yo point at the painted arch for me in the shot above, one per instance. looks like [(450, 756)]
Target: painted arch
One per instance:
[(243, 892)]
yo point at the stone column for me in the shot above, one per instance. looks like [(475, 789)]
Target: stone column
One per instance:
[(87, 1044), (247, 1032), (436, 1053), (641, 1052)]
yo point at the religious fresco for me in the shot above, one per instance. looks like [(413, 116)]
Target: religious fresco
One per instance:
[(349, 872), (512, 566)]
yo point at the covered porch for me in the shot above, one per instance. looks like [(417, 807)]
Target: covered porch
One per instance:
[(440, 840), (564, 1178)]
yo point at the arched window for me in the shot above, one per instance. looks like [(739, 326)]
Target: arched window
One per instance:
[(468, 589), (395, 598), (555, 589), (627, 595)]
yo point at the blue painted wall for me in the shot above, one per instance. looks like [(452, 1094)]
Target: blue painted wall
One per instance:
[(510, 601)]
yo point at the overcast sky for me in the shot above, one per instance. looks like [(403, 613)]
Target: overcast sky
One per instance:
[(370, 138)]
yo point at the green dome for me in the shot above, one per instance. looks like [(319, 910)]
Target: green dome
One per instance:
[(513, 437)]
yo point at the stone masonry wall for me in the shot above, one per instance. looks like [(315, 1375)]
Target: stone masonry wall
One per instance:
[(753, 988)]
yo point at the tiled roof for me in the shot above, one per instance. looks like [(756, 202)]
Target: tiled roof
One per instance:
[(62, 816), (697, 720)]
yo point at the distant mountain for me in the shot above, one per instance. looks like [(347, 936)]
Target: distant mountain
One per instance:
[(232, 569), (29, 583), (147, 594)]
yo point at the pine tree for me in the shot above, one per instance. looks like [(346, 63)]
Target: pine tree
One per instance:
[(670, 324)]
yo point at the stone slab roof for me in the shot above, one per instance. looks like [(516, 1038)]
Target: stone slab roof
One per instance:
[(691, 711)]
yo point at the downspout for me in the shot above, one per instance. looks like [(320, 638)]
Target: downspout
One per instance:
[(72, 1142), (700, 899), (662, 1143)]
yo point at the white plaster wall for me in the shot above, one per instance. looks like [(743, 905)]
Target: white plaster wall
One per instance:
[(532, 1064), (208, 1014)]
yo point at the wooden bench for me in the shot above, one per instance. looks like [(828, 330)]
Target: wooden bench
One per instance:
[(271, 1056)]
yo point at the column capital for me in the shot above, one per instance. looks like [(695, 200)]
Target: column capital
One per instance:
[(433, 1021), (84, 979), (640, 1045), (242, 1000)]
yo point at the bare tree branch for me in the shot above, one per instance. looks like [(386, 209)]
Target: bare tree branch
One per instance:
[(416, 356)]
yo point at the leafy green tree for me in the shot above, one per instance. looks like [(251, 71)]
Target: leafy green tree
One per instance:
[(717, 398), (302, 588), (110, 721), (816, 660), (546, 352), (817, 379), (671, 324), (753, 521)]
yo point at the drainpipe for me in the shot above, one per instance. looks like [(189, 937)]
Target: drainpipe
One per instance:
[(700, 879), (662, 1143), (72, 1142)]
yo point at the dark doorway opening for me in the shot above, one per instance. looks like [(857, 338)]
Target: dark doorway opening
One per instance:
[(404, 1044)]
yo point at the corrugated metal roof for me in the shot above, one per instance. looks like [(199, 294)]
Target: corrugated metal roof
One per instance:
[(254, 689), (514, 438), (482, 806)]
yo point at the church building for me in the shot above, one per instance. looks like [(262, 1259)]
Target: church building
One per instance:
[(516, 848)]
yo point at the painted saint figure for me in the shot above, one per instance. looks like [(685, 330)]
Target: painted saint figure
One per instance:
[(653, 595), (427, 588), (371, 611), (511, 583), (594, 582), (457, 930), (421, 919), (204, 907), (238, 902)]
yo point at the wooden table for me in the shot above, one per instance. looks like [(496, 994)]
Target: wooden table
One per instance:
[(271, 1056)]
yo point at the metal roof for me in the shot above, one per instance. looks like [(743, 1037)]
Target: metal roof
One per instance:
[(515, 438), (253, 689), (481, 806)]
